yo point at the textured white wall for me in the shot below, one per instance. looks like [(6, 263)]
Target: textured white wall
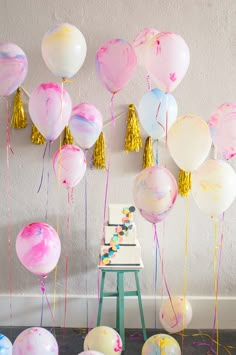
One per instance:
[(209, 28)]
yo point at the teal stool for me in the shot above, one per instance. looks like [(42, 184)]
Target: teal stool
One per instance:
[(120, 294)]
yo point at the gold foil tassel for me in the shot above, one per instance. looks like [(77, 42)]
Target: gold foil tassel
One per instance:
[(184, 182), (68, 138), (148, 158), (36, 136), (133, 139), (19, 117), (99, 156)]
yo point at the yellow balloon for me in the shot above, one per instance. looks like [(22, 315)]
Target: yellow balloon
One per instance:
[(162, 344), (105, 340)]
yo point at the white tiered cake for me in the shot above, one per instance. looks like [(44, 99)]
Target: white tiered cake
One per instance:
[(121, 246)]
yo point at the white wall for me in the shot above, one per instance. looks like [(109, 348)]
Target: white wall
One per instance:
[(209, 28)]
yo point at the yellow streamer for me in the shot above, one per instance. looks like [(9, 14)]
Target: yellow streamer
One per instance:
[(148, 158), (133, 139), (19, 117), (184, 183), (68, 138), (99, 156), (36, 136)]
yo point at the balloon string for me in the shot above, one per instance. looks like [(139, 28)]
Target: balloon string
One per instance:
[(165, 281), (9, 149), (42, 283), (42, 174), (148, 79), (86, 236), (108, 167), (185, 263), (162, 261), (67, 261), (167, 119), (155, 270), (225, 347), (48, 180)]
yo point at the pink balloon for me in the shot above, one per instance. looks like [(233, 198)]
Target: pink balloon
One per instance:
[(167, 60), (69, 165), (140, 43), (222, 126), (86, 124), (50, 109), (38, 247), (155, 191), (35, 341), (115, 64), (13, 68)]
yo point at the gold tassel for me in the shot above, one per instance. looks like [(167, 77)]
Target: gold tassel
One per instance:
[(68, 138), (148, 158), (36, 136), (99, 158), (19, 118), (184, 183), (133, 139)]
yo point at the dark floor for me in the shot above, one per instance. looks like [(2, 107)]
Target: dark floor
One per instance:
[(73, 341)]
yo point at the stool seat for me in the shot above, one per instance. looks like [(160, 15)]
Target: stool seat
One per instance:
[(120, 294)]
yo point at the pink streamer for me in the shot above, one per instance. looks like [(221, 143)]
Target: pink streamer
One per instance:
[(8, 148), (67, 261), (164, 277), (148, 79)]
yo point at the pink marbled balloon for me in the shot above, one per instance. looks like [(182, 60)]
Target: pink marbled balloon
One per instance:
[(155, 191), (13, 68), (38, 247), (85, 124), (69, 165), (140, 43), (35, 341), (50, 109), (115, 64)]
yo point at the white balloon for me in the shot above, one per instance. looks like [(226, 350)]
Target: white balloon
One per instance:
[(189, 142), (176, 318), (214, 187), (64, 50)]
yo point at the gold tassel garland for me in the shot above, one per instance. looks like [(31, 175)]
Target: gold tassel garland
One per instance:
[(68, 138), (99, 158), (36, 136), (184, 182), (133, 139), (148, 158), (19, 117)]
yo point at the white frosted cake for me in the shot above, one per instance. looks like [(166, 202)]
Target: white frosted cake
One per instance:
[(121, 246)]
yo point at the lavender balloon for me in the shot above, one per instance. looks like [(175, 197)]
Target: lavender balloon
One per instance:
[(13, 68), (5, 345), (35, 341), (85, 124), (50, 109), (155, 191), (38, 247)]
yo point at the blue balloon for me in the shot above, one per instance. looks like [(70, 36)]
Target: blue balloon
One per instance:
[(5, 345), (157, 112)]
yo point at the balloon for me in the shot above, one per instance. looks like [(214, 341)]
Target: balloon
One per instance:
[(38, 247), (5, 345), (140, 42), (157, 112), (85, 124), (161, 344), (50, 109), (115, 64), (35, 341), (69, 165), (223, 129), (214, 187), (90, 352), (167, 60), (13, 68), (155, 191), (177, 319), (103, 339), (189, 142), (64, 50)]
